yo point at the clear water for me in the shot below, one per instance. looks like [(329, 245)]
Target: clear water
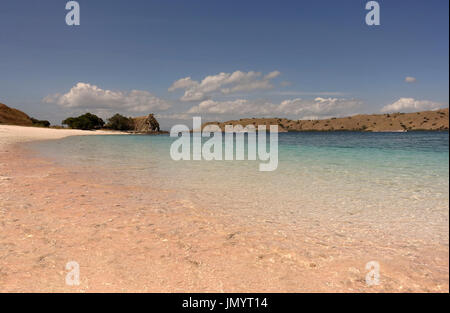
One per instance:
[(397, 181)]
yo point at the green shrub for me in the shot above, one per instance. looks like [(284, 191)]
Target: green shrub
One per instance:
[(120, 122), (40, 123), (86, 121)]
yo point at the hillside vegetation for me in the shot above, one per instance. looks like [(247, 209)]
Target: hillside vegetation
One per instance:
[(426, 120)]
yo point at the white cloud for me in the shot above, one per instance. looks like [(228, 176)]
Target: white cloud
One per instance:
[(411, 105), (183, 83), (175, 116), (410, 79), (272, 75), (223, 83), (321, 107), (289, 93), (223, 107), (298, 108), (87, 96)]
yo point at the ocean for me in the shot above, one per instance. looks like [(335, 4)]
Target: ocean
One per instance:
[(391, 182)]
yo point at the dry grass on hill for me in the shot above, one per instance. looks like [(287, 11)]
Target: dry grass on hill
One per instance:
[(12, 116), (426, 120)]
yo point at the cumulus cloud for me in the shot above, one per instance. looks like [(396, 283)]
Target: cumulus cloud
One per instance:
[(290, 93), (319, 107), (175, 116), (411, 105), (223, 107), (183, 83), (410, 79), (87, 96), (223, 83)]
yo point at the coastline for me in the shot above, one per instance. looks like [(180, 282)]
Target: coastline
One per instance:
[(436, 120), (12, 134), (132, 238)]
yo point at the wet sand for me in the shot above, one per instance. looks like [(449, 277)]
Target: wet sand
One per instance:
[(138, 239)]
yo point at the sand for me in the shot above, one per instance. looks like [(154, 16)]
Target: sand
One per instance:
[(129, 238), (10, 134)]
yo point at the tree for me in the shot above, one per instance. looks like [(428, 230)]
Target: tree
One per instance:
[(40, 123), (86, 121), (120, 122)]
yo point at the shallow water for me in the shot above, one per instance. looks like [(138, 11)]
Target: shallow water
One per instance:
[(395, 182)]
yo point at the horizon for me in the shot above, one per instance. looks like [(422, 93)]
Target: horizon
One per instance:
[(263, 119), (311, 60)]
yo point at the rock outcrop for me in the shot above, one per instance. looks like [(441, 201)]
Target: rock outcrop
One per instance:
[(12, 116), (146, 124)]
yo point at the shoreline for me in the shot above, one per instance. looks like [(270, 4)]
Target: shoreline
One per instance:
[(424, 120), (12, 134), (132, 238)]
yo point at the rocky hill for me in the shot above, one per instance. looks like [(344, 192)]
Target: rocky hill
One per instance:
[(426, 120), (12, 116), (146, 124)]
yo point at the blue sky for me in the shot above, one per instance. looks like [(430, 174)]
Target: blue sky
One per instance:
[(325, 61)]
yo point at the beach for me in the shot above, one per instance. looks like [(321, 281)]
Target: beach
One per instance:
[(133, 237), (11, 134)]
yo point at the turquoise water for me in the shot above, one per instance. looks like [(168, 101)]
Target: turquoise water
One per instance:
[(330, 175)]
